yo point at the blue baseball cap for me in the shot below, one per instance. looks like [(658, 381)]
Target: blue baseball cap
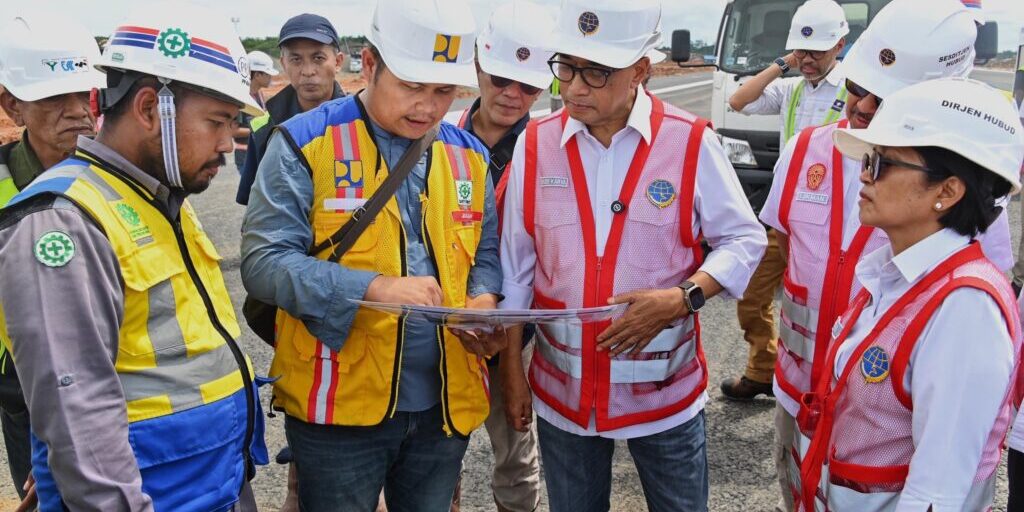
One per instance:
[(309, 26)]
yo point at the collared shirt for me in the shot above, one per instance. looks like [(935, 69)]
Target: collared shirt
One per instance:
[(501, 152), (80, 341), (816, 101), (23, 162), (276, 268), (721, 212), (958, 374)]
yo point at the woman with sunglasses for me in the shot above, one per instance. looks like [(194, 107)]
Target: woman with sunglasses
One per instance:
[(915, 405)]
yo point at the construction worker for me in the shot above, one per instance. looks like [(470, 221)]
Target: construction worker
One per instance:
[(817, 35), (813, 206), (311, 57), (139, 395), (374, 401), (512, 71), (606, 204), (261, 72), (46, 74), (907, 417)]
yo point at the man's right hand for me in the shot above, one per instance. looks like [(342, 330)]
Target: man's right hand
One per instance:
[(518, 397), (417, 291)]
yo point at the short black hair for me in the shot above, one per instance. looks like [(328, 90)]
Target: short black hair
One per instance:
[(977, 210), (381, 65)]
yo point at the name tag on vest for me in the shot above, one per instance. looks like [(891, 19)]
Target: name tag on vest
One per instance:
[(811, 197), (344, 203), (554, 181)]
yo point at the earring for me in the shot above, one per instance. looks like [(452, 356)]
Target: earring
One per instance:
[(938, 207)]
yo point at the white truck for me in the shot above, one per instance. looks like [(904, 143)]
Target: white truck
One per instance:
[(751, 35)]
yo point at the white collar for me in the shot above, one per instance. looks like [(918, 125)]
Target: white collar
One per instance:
[(834, 78), (639, 119), (916, 260)]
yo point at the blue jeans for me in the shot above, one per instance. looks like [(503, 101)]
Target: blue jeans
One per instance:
[(673, 468), (344, 468)]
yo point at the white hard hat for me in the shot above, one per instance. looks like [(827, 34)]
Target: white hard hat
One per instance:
[(513, 44), (817, 25), (426, 41), (184, 43), (975, 7), (259, 61), (46, 54), (612, 33), (910, 41), (962, 115), (657, 56)]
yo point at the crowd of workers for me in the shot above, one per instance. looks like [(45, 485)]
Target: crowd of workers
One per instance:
[(894, 364)]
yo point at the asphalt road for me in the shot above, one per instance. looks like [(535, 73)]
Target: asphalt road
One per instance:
[(739, 435)]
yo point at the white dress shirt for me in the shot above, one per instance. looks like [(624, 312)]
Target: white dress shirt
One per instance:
[(958, 374), (1016, 437), (721, 211), (815, 102)]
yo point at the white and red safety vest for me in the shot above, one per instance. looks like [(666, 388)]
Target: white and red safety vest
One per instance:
[(819, 278), (654, 223), (863, 419)]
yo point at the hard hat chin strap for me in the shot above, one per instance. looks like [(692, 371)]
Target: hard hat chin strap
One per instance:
[(169, 140)]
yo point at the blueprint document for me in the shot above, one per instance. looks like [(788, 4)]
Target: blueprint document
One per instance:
[(485, 318)]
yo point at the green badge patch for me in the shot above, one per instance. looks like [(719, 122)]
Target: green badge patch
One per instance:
[(54, 249), (464, 190), (136, 229)]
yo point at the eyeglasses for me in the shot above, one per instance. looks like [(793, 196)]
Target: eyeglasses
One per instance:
[(502, 82), (592, 76), (859, 91), (815, 54), (875, 162)]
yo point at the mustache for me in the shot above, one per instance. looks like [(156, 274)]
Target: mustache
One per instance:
[(219, 161)]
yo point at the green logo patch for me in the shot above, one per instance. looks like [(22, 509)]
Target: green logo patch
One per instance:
[(464, 190), (174, 43), (136, 229), (54, 249)]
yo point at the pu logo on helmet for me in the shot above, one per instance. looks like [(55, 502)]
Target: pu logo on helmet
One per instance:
[(71, 65), (523, 54), (887, 57), (243, 67), (588, 23), (446, 48)]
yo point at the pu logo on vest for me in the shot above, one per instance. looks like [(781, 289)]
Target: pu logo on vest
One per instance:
[(446, 48), (348, 186), (54, 249), (874, 364), (70, 65), (588, 23)]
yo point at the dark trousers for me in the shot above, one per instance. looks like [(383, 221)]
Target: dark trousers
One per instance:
[(19, 447), (1015, 471)]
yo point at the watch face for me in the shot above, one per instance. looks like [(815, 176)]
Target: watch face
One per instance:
[(696, 299)]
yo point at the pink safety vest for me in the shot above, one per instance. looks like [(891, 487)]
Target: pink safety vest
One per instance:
[(652, 244), (819, 279), (863, 419)]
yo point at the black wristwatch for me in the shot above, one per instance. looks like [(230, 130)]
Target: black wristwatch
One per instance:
[(693, 296), (782, 64)]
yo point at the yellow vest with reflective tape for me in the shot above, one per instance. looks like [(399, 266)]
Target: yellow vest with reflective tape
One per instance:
[(7, 188), (171, 356), (358, 385)]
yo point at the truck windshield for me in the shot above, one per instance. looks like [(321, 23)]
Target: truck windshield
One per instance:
[(755, 31)]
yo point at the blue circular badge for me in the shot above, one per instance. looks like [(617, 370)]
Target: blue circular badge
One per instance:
[(874, 364), (588, 23), (661, 193), (807, 31)]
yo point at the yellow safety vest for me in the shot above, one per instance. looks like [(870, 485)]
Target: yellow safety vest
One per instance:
[(358, 385), (176, 351)]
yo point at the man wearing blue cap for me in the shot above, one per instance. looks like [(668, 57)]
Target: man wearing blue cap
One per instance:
[(310, 56)]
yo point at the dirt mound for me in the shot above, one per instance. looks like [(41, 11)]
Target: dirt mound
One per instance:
[(8, 131)]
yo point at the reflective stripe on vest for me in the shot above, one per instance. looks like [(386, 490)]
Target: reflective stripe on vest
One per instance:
[(358, 384), (567, 373), (7, 188), (794, 102), (846, 414), (188, 410)]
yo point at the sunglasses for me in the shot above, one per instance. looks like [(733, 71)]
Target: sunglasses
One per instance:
[(501, 83), (592, 76), (875, 162), (859, 91), (815, 54)]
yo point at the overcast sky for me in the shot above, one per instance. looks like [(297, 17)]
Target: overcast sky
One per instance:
[(351, 17)]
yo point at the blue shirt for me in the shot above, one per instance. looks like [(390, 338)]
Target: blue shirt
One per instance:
[(276, 235)]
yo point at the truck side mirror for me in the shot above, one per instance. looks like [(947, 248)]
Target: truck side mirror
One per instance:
[(986, 46), (680, 46)]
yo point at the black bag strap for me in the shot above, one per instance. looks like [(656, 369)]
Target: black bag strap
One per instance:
[(343, 239)]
